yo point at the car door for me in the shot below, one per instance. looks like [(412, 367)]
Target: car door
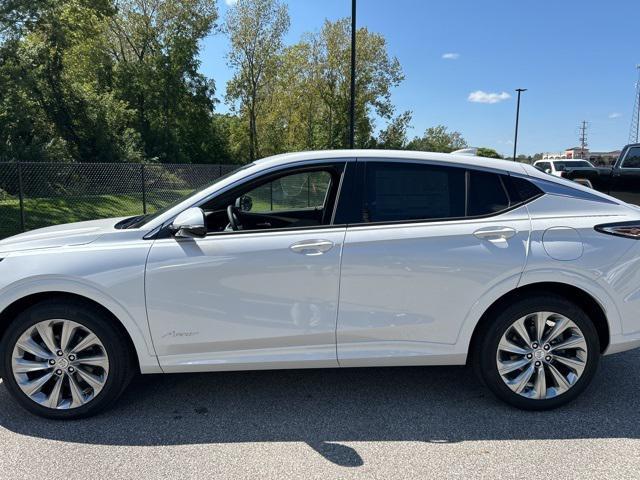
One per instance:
[(432, 241), (625, 181), (258, 298)]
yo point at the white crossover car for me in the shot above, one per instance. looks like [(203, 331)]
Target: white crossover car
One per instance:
[(329, 259), (556, 167)]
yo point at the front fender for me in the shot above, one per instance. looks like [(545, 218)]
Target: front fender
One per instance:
[(137, 329)]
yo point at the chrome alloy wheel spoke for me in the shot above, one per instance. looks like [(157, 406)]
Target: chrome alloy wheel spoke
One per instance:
[(60, 364), (541, 355)]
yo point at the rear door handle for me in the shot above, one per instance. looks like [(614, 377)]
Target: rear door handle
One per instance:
[(495, 233), (312, 247)]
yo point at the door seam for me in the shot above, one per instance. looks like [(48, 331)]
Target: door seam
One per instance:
[(528, 248), (344, 239), (146, 310)]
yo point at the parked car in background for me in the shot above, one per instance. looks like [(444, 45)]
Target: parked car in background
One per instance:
[(621, 180), (353, 258), (556, 167)]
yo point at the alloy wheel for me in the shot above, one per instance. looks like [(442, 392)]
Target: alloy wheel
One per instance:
[(60, 364), (542, 355)]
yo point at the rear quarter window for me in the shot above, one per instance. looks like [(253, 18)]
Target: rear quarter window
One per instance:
[(486, 194), (520, 190)]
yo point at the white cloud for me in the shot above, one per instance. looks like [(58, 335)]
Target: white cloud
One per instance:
[(486, 97), (230, 3), (451, 56), (615, 115)]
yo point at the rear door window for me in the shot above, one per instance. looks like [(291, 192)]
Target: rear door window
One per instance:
[(408, 191)]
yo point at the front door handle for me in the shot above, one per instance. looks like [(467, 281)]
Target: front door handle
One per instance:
[(495, 233), (312, 247)]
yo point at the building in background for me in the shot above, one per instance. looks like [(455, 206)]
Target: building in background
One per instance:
[(597, 158)]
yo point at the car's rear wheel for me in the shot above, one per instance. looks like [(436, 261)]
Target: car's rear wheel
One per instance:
[(539, 353), (64, 360)]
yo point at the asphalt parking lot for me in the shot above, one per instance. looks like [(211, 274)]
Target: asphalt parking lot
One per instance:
[(435, 422)]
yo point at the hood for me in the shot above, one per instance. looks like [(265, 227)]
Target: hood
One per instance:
[(69, 234)]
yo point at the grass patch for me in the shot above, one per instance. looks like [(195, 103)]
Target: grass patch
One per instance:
[(42, 212)]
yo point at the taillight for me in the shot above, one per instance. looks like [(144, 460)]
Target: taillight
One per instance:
[(622, 229)]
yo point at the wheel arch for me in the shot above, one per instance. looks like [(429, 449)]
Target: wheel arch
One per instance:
[(23, 303), (583, 299)]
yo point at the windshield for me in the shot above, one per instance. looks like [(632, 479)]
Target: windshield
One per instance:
[(572, 164), (139, 220)]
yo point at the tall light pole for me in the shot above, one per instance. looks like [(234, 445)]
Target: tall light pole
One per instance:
[(352, 108), (515, 141)]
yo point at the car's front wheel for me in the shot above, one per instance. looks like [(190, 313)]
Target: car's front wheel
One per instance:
[(64, 360), (539, 353)]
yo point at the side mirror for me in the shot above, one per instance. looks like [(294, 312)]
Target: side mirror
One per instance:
[(190, 224), (548, 170), (244, 203)]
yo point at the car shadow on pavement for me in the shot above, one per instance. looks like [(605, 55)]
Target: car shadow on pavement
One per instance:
[(325, 408)]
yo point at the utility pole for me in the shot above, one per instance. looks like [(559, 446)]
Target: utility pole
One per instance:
[(352, 109), (634, 131), (515, 140), (583, 138)]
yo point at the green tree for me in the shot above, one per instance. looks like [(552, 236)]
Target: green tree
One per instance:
[(40, 53), (256, 29), (488, 152), (154, 45), (106, 80), (438, 139), (310, 95), (394, 136)]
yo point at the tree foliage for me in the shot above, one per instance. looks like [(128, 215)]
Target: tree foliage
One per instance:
[(488, 153), (120, 80), (101, 80), (256, 29), (438, 139), (394, 136)]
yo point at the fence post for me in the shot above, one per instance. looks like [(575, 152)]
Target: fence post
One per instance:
[(144, 189), (21, 196)]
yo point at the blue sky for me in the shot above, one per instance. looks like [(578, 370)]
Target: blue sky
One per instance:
[(577, 58)]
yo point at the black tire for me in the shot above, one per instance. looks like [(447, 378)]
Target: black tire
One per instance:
[(486, 348), (116, 347)]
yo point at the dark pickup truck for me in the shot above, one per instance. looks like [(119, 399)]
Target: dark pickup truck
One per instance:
[(622, 180)]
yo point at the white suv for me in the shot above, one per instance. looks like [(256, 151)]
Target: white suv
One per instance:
[(329, 259), (556, 167)]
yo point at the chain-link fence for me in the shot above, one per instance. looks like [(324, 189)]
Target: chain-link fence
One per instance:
[(35, 194)]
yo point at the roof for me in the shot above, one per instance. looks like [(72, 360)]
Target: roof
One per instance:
[(456, 159)]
